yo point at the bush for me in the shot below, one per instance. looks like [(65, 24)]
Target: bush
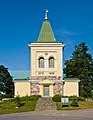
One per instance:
[(57, 98), (73, 98), (18, 101), (76, 98), (81, 99), (30, 98), (74, 101), (74, 104)]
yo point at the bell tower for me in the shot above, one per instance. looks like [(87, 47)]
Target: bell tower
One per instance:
[(46, 59), (46, 53)]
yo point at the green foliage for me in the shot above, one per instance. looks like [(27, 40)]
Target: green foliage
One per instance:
[(6, 96), (57, 98), (9, 106), (6, 81), (59, 105), (74, 104), (73, 98), (81, 66), (81, 99), (2, 87), (18, 101), (30, 98), (74, 101), (82, 105)]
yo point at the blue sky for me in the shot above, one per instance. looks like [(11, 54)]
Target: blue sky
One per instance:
[(21, 20)]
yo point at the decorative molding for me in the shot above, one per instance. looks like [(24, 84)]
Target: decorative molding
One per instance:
[(37, 81), (46, 50), (46, 45), (46, 70)]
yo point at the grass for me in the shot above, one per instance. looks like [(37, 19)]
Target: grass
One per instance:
[(82, 105), (8, 107)]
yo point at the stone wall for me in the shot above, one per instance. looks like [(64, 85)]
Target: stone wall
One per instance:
[(35, 88), (57, 88)]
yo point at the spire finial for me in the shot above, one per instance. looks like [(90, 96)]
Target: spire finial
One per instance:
[(46, 16)]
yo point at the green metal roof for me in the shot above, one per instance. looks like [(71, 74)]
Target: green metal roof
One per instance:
[(71, 79), (25, 79), (46, 33)]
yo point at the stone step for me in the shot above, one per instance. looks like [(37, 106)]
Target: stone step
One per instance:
[(45, 103)]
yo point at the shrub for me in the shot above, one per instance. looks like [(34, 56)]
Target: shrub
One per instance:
[(73, 98), (74, 104), (74, 101), (25, 98), (76, 98), (81, 99), (57, 98), (18, 101), (30, 98)]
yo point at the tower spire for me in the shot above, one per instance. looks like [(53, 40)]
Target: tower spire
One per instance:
[(46, 14), (46, 33)]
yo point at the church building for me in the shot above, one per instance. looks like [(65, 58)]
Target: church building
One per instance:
[(46, 71)]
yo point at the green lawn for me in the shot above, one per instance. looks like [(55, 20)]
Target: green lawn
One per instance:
[(10, 107), (82, 105)]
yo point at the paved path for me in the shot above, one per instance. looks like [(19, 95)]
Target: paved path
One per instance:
[(51, 115)]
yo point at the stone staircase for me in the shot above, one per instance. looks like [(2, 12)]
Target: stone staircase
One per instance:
[(45, 103)]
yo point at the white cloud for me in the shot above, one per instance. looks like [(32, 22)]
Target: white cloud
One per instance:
[(69, 33), (64, 32)]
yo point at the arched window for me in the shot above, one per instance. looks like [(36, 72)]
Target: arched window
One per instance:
[(51, 62), (41, 62)]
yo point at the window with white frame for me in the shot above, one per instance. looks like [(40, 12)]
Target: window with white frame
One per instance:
[(51, 62), (41, 62)]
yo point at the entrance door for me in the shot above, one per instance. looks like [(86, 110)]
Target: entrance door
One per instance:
[(46, 90)]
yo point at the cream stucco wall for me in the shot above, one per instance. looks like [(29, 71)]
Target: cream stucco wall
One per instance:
[(71, 88), (22, 88), (46, 50)]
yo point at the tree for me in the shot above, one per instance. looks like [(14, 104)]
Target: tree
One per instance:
[(6, 81), (2, 87), (81, 66)]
